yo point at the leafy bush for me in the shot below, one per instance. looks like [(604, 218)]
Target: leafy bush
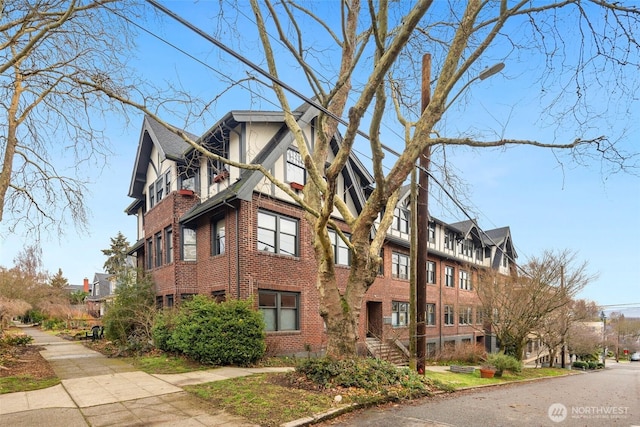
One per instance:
[(368, 374), (503, 362), (226, 333), (54, 324), (17, 339), (33, 316), (128, 321), (579, 364), (593, 365), (163, 327)]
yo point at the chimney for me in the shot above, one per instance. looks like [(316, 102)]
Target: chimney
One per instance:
[(85, 286)]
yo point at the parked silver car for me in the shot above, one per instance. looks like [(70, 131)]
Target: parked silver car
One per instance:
[(635, 357)]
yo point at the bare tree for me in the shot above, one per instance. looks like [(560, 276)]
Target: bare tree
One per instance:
[(52, 137), (368, 52), (519, 305), (554, 328)]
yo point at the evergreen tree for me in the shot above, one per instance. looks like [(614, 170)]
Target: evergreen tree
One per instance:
[(116, 255), (58, 281)]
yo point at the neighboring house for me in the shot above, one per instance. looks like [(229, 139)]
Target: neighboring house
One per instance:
[(207, 228), (101, 293)]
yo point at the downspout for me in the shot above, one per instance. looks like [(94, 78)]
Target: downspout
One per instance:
[(237, 229)]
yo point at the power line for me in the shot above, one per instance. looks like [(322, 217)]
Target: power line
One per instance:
[(316, 105)]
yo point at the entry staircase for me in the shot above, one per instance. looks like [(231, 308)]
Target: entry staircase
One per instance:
[(391, 351)]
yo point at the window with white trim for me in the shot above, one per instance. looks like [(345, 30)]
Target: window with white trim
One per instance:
[(432, 232), (281, 310), (189, 251), (218, 233), (431, 272), (341, 252), (449, 240), (431, 315), (399, 266), (296, 171), (448, 276), (401, 217), (168, 241), (465, 316), (448, 315), (465, 280), (399, 313), (277, 234), (158, 243)]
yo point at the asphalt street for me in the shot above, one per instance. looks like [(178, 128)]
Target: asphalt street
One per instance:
[(609, 397)]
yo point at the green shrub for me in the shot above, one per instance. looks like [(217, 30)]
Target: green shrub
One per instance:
[(129, 319), (503, 362), (593, 365), (33, 316), (227, 333), (367, 373), (163, 327), (17, 339), (579, 364), (54, 324)]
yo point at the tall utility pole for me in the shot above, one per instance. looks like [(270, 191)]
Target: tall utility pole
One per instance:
[(422, 231)]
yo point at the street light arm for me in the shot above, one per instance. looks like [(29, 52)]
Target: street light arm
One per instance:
[(485, 74)]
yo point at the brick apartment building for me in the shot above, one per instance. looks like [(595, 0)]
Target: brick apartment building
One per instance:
[(207, 228)]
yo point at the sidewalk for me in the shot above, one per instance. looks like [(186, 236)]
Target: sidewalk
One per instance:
[(98, 391)]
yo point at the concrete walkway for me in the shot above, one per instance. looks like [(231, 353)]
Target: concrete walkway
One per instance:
[(98, 391)]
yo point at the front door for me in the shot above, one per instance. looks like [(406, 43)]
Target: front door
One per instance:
[(374, 319)]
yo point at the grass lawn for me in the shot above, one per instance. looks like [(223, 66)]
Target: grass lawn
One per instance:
[(165, 364), (25, 383), (457, 381), (261, 400)]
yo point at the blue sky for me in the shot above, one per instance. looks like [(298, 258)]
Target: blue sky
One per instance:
[(546, 205)]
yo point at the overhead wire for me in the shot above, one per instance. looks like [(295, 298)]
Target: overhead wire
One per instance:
[(303, 97)]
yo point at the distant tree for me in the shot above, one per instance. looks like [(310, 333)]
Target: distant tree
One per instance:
[(519, 305), (58, 281), (625, 333), (554, 328), (116, 255), (583, 341), (77, 297)]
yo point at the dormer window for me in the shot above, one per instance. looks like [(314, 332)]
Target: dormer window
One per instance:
[(296, 171), (400, 220)]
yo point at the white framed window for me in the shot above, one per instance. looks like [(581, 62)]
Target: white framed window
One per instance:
[(158, 243), (466, 248), (399, 313), (341, 252), (152, 195), (431, 272), (189, 251), (168, 241), (465, 316), (280, 310), (277, 234), (465, 280), (218, 233), (432, 232), (449, 240), (448, 276), (401, 218), (399, 266), (431, 315), (296, 171), (448, 315)]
